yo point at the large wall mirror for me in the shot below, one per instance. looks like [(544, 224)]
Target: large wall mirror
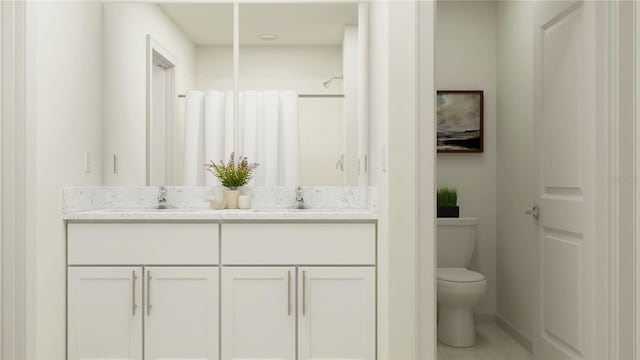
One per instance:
[(290, 93)]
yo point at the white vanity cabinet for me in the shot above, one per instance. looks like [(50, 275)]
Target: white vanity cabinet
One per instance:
[(258, 313), (205, 290), (181, 313), (336, 313), (104, 313), (164, 307), (319, 276)]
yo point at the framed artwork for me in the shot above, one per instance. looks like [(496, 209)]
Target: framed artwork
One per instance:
[(460, 116)]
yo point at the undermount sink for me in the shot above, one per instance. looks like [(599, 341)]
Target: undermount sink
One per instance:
[(299, 210), (156, 210)]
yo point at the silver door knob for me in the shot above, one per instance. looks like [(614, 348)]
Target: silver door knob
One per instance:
[(534, 211)]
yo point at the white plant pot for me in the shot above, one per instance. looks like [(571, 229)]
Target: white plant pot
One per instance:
[(231, 198)]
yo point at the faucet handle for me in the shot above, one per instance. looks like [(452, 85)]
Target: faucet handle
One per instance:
[(162, 192)]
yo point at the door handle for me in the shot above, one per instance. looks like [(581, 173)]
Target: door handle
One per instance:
[(304, 293), (134, 306), (534, 211), (289, 293), (148, 292)]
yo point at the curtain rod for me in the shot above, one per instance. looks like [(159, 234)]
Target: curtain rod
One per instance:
[(303, 95)]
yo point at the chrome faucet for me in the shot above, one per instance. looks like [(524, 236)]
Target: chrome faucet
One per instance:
[(299, 204), (162, 198)]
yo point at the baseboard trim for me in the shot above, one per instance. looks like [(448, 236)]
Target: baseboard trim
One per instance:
[(484, 318), (514, 333)]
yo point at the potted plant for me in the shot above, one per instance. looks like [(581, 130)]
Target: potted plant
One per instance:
[(232, 175), (448, 203)]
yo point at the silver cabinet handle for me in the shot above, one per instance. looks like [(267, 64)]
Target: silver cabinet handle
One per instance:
[(304, 293), (534, 211), (289, 293), (148, 292), (134, 306)]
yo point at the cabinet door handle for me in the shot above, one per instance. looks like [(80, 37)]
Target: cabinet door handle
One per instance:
[(148, 292), (134, 306), (304, 293), (289, 293)]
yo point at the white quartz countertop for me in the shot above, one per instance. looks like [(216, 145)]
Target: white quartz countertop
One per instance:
[(143, 214)]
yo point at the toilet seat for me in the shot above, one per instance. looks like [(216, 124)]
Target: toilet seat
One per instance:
[(459, 275)]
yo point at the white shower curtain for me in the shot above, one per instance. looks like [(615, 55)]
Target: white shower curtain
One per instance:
[(268, 125)]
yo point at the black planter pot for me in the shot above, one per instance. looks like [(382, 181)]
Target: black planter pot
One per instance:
[(449, 212)]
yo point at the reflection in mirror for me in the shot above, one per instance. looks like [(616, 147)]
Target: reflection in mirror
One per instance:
[(169, 92), (152, 54), (298, 87)]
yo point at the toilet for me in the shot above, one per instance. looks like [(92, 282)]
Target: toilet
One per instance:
[(459, 289)]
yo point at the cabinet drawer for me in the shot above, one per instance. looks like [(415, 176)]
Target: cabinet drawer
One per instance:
[(143, 243), (299, 244)]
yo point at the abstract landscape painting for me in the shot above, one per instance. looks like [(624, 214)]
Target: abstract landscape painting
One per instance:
[(460, 120)]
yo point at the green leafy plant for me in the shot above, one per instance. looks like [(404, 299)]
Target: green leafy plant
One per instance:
[(447, 197), (233, 174)]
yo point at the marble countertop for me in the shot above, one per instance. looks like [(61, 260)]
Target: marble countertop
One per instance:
[(199, 214)]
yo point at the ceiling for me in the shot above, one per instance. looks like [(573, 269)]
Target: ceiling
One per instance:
[(295, 24)]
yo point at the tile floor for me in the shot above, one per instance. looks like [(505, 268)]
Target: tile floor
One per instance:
[(492, 343)]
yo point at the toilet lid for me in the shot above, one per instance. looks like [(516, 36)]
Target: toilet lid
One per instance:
[(460, 275)]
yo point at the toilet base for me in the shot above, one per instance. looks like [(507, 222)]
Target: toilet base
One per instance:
[(456, 326)]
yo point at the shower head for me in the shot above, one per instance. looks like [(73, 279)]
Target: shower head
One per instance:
[(328, 82)]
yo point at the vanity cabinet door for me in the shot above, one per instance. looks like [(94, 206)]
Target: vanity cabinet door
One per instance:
[(258, 313), (104, 313), (181, 312), (336, 313)]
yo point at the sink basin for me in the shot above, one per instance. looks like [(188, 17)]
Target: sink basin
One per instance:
[(300, 210), (148, 210)]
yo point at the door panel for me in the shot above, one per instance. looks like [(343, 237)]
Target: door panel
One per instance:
[(564, 81), (181, 313), (105, 313), (336, 313), (258, 313)]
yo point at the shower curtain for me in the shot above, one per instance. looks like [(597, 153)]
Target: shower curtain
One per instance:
[(268, 128)]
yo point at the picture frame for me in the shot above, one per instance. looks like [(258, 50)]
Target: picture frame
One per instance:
[(460, 121)]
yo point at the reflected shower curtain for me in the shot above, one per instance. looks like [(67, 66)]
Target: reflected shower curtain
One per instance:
[(268, 128)]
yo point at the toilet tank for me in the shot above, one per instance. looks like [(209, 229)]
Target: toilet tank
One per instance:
[(456, 240)]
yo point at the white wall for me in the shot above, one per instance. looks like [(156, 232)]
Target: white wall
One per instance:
[(301, 68), (126, 26), (516, 232), (378, 145), (68, 93), (466, 60), (392, 144), (402, 133), (426, 252)]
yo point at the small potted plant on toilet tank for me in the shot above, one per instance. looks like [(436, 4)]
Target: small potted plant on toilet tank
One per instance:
[(448, 203)]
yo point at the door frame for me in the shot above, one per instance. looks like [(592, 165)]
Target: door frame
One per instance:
[(156, 49), (17, 180), (426, 168), (619, 175), (636, 173)]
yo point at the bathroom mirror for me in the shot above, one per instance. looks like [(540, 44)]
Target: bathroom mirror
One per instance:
[(298, 84), (174, 101)]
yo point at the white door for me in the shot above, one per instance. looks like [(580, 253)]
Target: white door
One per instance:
[(258, 313), (181, 313), (105, 313), (336, 313), (565, 120)]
